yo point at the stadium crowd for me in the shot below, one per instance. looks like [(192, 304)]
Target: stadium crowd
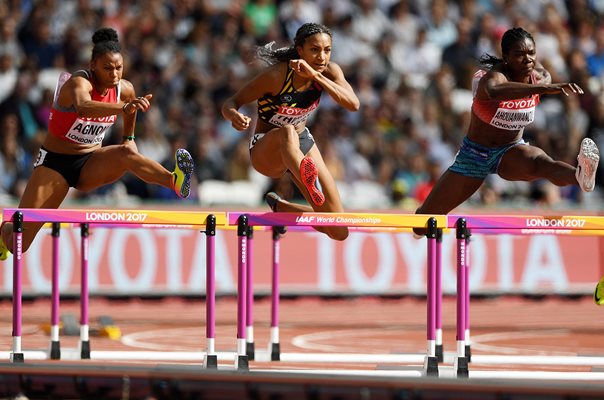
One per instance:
[(410, 62)]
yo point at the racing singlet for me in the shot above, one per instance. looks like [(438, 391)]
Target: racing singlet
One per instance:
[(289, 107), (66, 124), (511, 115)]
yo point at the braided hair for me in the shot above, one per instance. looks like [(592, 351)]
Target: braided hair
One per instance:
[(272, 57), (105, 41), (510, 37)]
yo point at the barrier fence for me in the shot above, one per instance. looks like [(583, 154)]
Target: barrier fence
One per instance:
[(244, 223)]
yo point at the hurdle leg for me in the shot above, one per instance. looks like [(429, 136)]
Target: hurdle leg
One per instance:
[(211, 358), (241, 359), (461, 362), (431, 362), (249, 306), (439, 297), (274, 344), (55, 345), (467, 312), (16, 355), (84, 344)]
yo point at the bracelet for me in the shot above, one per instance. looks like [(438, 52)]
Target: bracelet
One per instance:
[(124, 107), (128, 137)]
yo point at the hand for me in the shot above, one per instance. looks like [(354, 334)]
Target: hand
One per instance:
[(240, 122), (302, 68), (566, 88), (138, 103)]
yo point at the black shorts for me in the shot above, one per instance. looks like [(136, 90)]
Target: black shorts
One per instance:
[(68, 165), (306, 140)]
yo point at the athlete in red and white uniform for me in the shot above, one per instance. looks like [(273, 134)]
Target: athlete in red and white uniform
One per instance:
[(85, 106), (506, 93)]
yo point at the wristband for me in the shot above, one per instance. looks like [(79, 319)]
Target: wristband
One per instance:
[(128, 137), (124, 107)]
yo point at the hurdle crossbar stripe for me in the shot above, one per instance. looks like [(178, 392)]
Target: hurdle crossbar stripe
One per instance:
[(352, 220), (540, 222), (141, 217)]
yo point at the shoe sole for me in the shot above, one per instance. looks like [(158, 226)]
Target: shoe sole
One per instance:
[(309, 174), (588, 159), (184, 162)]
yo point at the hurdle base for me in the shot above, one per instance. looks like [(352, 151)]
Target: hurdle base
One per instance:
[(211, 361), (85, 350), (275, 352), (461, 367), (431, 366), (242, 363), (439, 353), (55, 350), (17, 358), (250, 350), (468, 352)]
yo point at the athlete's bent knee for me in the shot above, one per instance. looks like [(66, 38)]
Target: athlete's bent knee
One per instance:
[(338, 234)]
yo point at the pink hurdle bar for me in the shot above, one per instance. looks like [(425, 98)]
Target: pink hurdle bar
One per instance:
[(241, 359), (55, 344), (249, 306), (16, 355), (211, 358)]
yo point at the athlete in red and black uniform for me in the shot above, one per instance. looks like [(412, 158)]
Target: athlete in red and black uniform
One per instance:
[(286, 93), (86, 105)]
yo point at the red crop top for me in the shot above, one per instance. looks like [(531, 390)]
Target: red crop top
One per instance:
[(511, 115)]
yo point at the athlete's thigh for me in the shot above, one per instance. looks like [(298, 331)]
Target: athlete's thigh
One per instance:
[(106, 165), (266, 156), (46, 188), (451, 190), (519, 163)]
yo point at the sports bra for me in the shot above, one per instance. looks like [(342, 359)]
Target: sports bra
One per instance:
[(289, 107), (511, 115), (65, 123)]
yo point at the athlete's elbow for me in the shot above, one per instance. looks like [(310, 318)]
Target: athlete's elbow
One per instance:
[(354, 106)]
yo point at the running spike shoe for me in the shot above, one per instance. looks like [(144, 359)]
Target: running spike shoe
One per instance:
[(588, 159), (309, 174), (183, 171)]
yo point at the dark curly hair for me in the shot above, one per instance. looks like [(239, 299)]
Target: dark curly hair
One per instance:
[(105, 40), (510, 37), (271, 56)]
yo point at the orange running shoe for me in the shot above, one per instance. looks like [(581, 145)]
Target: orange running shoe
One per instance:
[(309, 174)]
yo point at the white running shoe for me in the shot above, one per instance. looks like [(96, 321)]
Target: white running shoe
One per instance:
[(588, 159)]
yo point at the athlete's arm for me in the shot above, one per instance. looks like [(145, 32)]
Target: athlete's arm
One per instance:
[(265, 82), (332, 81), (494, 85), (77, 93)]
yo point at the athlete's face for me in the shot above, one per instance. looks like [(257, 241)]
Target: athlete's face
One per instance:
[(316, 51), (521, 57), (108, 69)]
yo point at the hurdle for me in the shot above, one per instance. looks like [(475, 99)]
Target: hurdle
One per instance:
[(465, 226), (123, 218), (356, 221)]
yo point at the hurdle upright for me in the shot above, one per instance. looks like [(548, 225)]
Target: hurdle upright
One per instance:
[(123, 218), (466, 225), (373, 222)]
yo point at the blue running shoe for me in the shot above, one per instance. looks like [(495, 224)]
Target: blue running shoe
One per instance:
[(182, 173)]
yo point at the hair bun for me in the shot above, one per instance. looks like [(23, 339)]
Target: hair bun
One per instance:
[(105, 35)]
